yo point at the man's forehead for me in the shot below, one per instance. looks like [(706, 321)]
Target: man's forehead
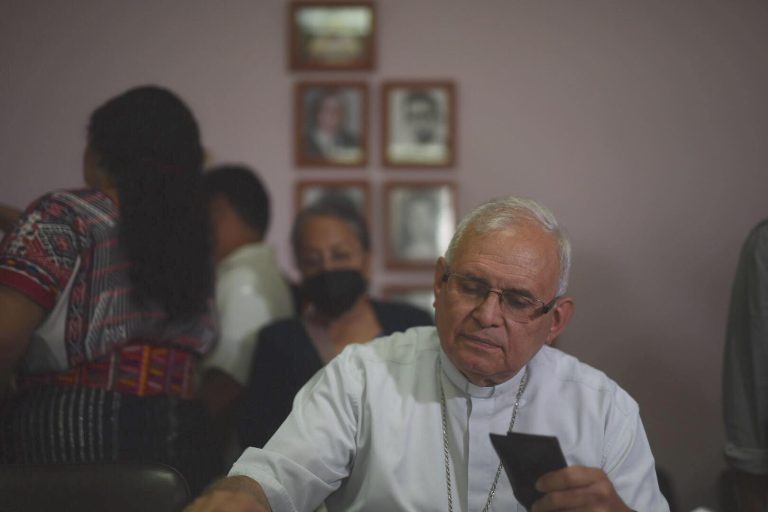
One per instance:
[(524, 244), (528, 231)]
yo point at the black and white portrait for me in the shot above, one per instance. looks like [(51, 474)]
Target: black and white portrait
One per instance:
[(419, 124), (421, 219), (331, 124)]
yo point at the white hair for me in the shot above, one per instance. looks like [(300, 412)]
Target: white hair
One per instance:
[(497, 214)]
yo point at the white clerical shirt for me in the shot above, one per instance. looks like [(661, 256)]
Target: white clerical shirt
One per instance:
[(365, 433)]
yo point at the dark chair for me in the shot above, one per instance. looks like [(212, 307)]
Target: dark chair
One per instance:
[(114, 487)]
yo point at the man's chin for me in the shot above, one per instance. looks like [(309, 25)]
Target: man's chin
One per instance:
[(480, 371)]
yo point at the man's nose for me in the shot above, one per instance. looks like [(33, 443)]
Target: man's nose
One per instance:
[(488, 313)]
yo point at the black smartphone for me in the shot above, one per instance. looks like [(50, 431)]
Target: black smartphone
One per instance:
[(526, 457)]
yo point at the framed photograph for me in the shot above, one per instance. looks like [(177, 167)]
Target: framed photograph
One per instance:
[(421, 296), (309, 192), (328, 36), (419, 124), (331, 124), (420, 219)]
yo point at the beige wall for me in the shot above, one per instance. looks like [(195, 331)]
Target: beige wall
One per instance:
[(643, 124)]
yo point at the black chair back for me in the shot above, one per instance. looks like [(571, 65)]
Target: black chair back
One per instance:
[(116, 487)]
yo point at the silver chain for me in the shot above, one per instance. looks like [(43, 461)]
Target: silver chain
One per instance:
[(449, 488)]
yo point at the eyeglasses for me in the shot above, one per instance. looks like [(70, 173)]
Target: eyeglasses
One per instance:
[(514, 305)]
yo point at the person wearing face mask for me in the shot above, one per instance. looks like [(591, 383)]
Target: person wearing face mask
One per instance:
[(331, 248), (402, 423)]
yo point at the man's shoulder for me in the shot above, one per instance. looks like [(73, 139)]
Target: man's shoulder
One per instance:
[(758, 236), (249, 257), (572, 375), (251, 264), (568, 367), (761, 227), (400, 347), (401, 359)]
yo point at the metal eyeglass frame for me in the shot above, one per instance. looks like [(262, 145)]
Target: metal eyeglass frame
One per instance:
[(545, 308)]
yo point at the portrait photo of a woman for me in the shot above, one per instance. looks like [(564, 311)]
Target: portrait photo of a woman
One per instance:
[(331, 120)]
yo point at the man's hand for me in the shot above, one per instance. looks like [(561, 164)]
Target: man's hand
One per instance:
[(232, 494), (578, 488)]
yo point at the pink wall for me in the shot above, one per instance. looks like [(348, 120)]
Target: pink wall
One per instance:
[(641, 124)]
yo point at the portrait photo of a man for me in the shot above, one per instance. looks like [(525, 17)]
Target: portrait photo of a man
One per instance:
[(421, 218), (419, 124)]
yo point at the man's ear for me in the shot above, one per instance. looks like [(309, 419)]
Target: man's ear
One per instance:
[(561, 315), (441, 267)]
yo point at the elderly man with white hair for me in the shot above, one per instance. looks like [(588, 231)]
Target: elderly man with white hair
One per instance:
[(402, 423)]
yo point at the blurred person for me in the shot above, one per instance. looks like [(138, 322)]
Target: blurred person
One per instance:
[(327, 134), (331, 248), (8, 218), (745, 374), (250, 289), (402, 423), (106, 299)]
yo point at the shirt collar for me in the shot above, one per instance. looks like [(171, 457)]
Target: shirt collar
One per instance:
[(461, 382), (247, 252)]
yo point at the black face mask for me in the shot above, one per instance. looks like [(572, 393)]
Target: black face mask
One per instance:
[(334, 291)]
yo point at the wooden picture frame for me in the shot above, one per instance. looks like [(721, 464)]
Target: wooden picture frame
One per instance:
[(332, 36), (418, 124), (331, 124), (420, 218), (308, 192), (420, 295)]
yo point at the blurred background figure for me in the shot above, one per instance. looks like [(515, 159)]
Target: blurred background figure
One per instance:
[(331, 248), (105, 300), (8, 217), (745, 375), (327, 136), (250, 289)]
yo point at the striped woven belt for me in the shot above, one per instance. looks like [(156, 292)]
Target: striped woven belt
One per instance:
[(137, 369)]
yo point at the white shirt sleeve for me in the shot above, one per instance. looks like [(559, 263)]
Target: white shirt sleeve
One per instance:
[(313, 451), (628, 460)]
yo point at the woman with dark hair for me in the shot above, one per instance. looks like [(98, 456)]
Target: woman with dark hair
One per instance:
[(105, 299), (331, 247)]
